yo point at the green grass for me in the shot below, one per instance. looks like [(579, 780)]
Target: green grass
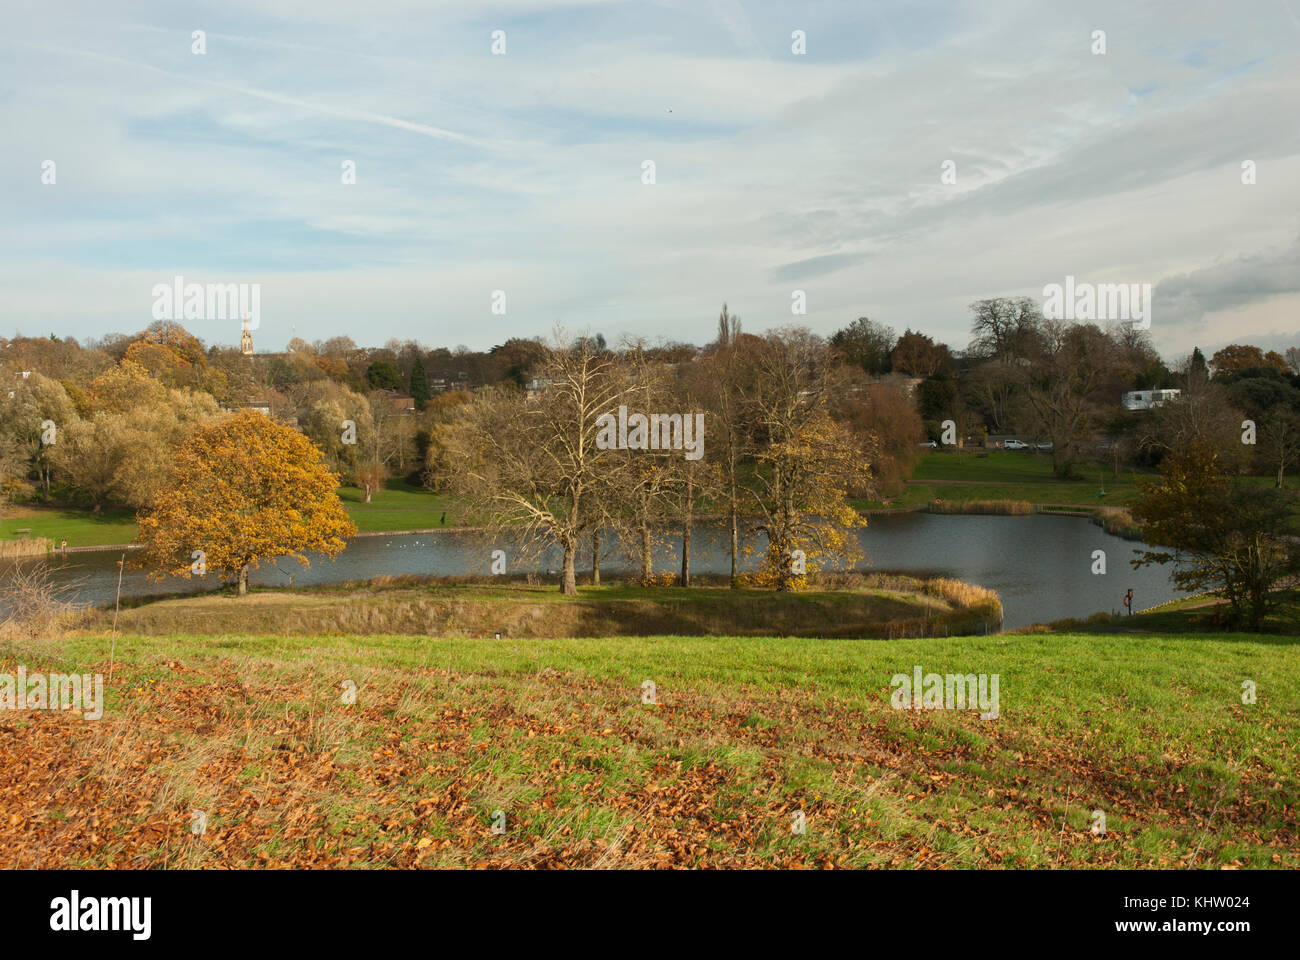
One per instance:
[(400, 506), (744, 732), (110, 527), (1009, 475)]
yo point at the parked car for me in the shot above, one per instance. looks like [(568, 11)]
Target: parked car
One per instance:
[(1045, 446), (1014, 445), (928, 443)]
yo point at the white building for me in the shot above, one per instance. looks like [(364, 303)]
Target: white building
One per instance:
[(1146, 399)]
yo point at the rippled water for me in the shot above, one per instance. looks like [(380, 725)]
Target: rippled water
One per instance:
[(1040, 565)]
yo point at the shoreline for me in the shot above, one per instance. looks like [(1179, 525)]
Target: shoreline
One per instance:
[(949, 508)]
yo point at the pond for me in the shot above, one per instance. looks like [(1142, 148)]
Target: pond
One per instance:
[(1040, 565)]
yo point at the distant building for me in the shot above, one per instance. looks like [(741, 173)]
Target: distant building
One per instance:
[(246, 340), (1146, 399), (403, 404), (536, 386), (261, 406)]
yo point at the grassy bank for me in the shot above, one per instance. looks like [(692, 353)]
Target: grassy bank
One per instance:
[(743, 734), (401, 506), (1186, 615), (872, 606), (1008, 475)]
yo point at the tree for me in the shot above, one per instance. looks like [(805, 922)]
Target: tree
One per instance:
[(419, 384), (37, 402), (865, 343), (1226, 534), (1292, 357), (720, 382), (370, 478), (881, 413), (1280, 436), (384, 375), (1203, 411), (918, 355), (642, 482), (125, 387), (337, 420), (90, 455), (1069, 388), (1236, 357), (806, 463), (728, 328), (241, 491), (531, 469), (1005, 327), (13, 468)]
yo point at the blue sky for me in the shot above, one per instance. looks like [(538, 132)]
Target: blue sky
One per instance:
[(523, 172)]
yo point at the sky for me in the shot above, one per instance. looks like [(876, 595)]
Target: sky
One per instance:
[(524, 171)]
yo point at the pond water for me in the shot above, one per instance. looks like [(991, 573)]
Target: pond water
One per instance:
[(1040, 565)]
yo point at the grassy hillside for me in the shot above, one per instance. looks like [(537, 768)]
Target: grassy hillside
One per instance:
[(745, 733)]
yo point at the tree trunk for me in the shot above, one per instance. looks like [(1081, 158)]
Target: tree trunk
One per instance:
[(735, 542), (569, 581), (243, 580), (686, 527), (647, 567), (595, 558), (367, 493)]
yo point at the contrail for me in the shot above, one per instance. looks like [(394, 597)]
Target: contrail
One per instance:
[(365, 116)]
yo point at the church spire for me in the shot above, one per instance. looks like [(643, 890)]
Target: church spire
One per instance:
[(246, 340)]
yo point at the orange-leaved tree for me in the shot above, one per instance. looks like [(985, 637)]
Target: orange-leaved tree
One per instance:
[(241, 491)]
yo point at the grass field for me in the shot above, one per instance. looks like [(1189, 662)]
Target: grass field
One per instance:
[(551, 741), (402, 506), (1009, 475), (81, 528)]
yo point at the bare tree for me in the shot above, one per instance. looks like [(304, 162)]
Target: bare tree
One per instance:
[(531, 469)]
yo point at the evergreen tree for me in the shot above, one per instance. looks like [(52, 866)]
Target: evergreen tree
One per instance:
[(419, 384), (1198, 367)]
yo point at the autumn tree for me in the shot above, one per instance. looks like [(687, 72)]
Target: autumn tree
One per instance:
[(25, 420), (1225, 534), (880, 413), (918, 355), (805, 462), (124, 387), (242, 491), (1236, 357)]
